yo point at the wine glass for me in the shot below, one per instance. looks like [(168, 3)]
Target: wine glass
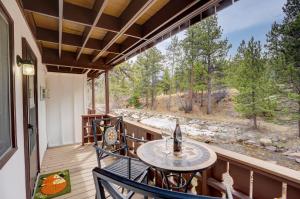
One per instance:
[(166, 136)]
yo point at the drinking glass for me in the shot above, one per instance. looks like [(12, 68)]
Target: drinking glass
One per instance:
[(166, 136)]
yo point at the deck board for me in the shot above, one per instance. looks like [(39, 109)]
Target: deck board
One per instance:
[(80, 160)]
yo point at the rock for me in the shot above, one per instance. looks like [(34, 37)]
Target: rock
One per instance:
[(298, 160), (275, 139), (242, 138), (213, 128), (135, 116), (250, 142), (283, 139), (265, 141), (208, 140), (296, 154), (271, 148)]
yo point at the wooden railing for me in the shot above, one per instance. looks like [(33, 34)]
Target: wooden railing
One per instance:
[(87, 133), (253, 178)]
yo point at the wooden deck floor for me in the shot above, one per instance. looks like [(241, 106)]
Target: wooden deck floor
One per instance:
[(80, 160)]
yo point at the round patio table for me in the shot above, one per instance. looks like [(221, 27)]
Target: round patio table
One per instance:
[(195, 157)]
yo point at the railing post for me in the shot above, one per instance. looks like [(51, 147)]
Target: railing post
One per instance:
[(93, 95), (106, 92)]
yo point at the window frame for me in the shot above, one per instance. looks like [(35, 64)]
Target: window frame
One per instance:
[(9, 153)]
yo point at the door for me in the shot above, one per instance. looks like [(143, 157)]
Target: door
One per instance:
[(30, 122)]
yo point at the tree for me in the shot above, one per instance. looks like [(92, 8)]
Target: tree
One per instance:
[(212, 51), (250, 76), (119, 83), (150, 63), (165, 83), (191, 51), (173, 53), (200, 85), (284, 54)]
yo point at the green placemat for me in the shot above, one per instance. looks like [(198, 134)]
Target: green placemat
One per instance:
[(52, 185)]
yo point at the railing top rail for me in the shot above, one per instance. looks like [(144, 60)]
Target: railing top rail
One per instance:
[(260, 165), (283, 173)]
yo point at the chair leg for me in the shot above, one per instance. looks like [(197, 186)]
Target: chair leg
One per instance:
[(145, 180), (100, 194)]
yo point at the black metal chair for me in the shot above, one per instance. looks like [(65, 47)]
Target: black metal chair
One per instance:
[(107, 181), (114, 142)]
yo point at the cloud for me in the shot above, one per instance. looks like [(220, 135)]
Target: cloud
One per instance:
[(248, 13)]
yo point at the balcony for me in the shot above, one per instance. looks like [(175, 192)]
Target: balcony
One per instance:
[(253, 178)]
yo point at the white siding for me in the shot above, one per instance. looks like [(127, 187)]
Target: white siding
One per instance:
[(65, 105), (12, 175)]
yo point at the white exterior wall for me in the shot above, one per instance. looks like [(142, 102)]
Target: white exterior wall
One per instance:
[(66, 103), (12, 175)]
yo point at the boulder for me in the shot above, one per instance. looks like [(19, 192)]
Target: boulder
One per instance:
[(296, 154), (265, 141), (271, 148), (250, 142)]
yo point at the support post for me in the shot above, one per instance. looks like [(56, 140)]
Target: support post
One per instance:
[(93, 96), (106, 93)]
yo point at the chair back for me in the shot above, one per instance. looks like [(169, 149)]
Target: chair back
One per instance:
[(113, 136), (105, 180)]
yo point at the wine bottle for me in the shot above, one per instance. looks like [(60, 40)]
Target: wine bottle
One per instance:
[(177, 138)]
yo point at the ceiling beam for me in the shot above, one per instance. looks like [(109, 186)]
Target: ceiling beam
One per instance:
[(60, 24), (191, 16), (80, 15), (171, 10), (73, 40), (98, 9), (68, 59), (62, 69), (133, 12)]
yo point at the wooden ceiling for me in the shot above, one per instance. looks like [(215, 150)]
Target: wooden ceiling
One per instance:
[(89, 36)]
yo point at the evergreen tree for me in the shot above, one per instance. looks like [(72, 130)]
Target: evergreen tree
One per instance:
[(284, 54), (250, 76), (165, 83), (191, 52), (200, 77), (173, 54), (212, 52), (119, 81), (150, 63)]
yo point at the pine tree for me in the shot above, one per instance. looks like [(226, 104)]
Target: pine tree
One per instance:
[(173, 54), (284, 54), (165, 83), (250, 76), (212, 51), (150, 63), (191, 52), (200, 77)]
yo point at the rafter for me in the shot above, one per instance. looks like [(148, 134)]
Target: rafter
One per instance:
[(60, 24), (160, 19), (135, 10), (203, 9), (79, 15), (98, 9), (73, 40), (49, 56), (63, 69)]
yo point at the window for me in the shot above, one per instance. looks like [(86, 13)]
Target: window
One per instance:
[(7, 129)]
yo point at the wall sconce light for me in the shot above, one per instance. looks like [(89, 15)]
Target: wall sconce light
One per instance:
[(27, 66)]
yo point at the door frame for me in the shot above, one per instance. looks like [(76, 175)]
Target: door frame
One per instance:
[(25, 46)]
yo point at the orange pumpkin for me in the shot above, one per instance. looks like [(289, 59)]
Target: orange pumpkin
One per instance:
[(53, 184)]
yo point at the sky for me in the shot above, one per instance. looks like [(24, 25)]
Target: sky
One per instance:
[(241, 21)]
